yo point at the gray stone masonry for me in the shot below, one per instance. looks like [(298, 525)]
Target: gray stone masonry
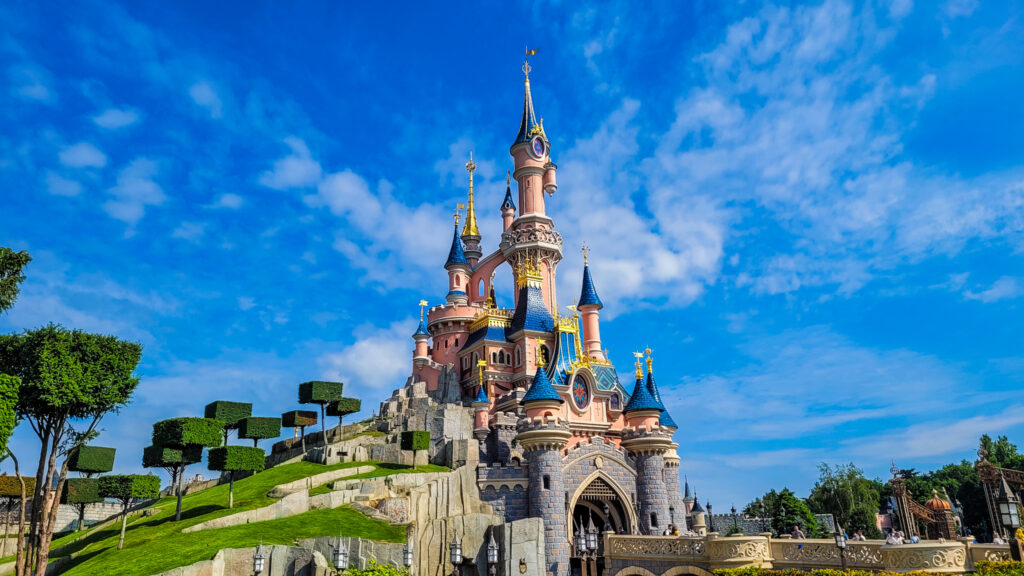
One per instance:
[(549, 504), (677, 512), (650, 493)]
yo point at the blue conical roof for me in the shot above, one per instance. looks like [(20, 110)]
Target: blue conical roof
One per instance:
[(642, 399), (696, 505), (507, 203), (455, 255), (421, 330), (588, 295), (529, 125), (481, 395), (665, 419), (541, 389)]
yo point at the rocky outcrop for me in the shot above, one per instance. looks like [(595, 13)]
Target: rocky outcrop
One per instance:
[(280, 561)]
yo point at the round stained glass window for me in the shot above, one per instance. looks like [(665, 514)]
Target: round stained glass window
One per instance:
[(580, 393)]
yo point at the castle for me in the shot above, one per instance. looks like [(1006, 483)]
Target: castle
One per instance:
[(559, 437)]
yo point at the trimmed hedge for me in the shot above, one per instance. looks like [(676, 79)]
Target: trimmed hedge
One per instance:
[(999, 568), (755, 571), (182, 432), (164, 457), (9, 386), (344, 407), (415, 440), (236, 459), (91, 459), (11, 488), (259, 427), (230, 413), (125, 487), (81, 491), (298, 418), (319, 392)]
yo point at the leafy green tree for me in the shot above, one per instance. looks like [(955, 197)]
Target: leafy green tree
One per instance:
[(850, 498), (230, 413), (343, 408), (80, 492), (258, 428), (67, 377), (299, 419), (321, 393), (1002, 452), (233, 459), (415, 440), (179, 442), (128, 487), (87, 461), (9, 387), (12, 264), (786, 511)]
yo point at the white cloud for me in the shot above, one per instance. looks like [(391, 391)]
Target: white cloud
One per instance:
[(938, 438), (246, 303), (1004, 288), (32, 82), (297, 170), (205, 95), (960, 8), (114, 118), (83, 155), (190, 231), (135, 190), (377, 363), (60, 186), (229, 200)]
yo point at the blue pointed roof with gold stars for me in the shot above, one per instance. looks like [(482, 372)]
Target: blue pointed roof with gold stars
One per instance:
[(641, 398), (541, 389), (456, 256)]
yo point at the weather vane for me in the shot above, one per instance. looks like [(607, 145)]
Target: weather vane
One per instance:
[(586, 253), (458, 207), (526, 62), (470, 166), (422, 304)]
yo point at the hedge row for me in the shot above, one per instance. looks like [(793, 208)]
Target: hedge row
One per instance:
[(11, 488), (125, 487), (344, 407), (9, 386), (81, 491), (164, 457), (754, 571), (230, 413), (91, 459), (415, 440), (319, 392), (181, 432), (236, 459), (259, 427), (298, 418), (1002, 568)]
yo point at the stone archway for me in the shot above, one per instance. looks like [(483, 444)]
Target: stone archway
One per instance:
[(634, 571), (692, 570), (593, 494)]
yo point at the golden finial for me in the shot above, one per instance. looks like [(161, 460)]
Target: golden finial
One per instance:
[(456, 214), (639, 370), (508, 179), (423, 303), (526, 62), (650, 361), (470, 229), (586, 253), (540, 357)]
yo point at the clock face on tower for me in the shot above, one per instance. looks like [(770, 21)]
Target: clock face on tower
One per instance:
[(537, 147)]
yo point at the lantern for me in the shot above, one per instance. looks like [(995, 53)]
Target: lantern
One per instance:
[(455, 549), (592, 536), (407, 556), (258, 559), (341, 555), (840, 537), (492, 551), (1008, 512)]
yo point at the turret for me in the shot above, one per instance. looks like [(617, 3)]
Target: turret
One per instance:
[(470, 232), (421, 336), (664, 420), (531, 149), (508, 208), (589, 306), (698, 519), (458, 270), (647, 442), (481, 409)]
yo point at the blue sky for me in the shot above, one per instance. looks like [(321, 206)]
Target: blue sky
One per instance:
[(814, 214)]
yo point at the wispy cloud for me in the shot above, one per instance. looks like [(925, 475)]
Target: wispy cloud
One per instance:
[(83, 155), (297, 170), (204, 94), (60, 186), (136, 189), (115, 118), (1004, 288)]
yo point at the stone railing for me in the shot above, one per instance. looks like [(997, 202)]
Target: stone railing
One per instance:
[(658, 554)]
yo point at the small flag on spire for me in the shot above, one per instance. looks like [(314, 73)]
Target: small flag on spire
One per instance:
[(531, 52)]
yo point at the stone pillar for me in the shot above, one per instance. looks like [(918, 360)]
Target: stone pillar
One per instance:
[(648, 447), (505, 428), (677, 515), (543, 442)]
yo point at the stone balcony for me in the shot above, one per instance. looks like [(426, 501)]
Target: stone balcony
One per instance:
[(658, 555)]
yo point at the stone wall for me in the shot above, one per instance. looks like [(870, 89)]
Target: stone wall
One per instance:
[(505, 489), (601, 457), (280, 561)]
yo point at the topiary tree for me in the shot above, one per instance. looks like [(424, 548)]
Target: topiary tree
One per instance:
[(12, 493), (230, 413), (322, 393), (87, 461), (173, 460), (343, 408), (127, 487), (233, 459), (299, 419), (80, 492), (415, 440), (258, 428), (186, 435)]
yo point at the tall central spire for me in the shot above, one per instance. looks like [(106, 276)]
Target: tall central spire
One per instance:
[(470, 228), (529, 126)]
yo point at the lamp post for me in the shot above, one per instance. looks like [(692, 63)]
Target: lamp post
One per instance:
[(340, 555), (711, 517), (1009, 516), (407, 555), (258, 559), (733, 510), (455, 553), (782, 514), (841, 544), (492, 556)]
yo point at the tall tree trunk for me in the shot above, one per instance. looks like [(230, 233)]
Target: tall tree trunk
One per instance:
[(37, 495), (303, 428), (81, 517), (19, 564), (7, 526), (51, 503), (231, 489), (177, 489), (323, 428), (124, 523)]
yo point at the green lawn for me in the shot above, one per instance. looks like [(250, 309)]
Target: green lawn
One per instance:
[(155, 544)]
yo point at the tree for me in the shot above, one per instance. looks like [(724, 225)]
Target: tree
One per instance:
[(125, 488), (87, 461), (11, 266), (13, 490), (1002, 452), (786, 511), (9, 386), (322, 393), (230, 413), (960, 482), (850, 498), (299, 419), (258, 428), (415, 440), (343, 408), (178, 442), (67, 376), (233, 459)]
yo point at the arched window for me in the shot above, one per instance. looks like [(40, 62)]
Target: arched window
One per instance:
[(481, 290), (547, 486), (519, 357), (456, 341), (501, 357), (494, 357), (476, 357), (456, 279)]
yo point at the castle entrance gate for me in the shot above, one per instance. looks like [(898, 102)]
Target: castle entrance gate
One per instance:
[(603, 507)]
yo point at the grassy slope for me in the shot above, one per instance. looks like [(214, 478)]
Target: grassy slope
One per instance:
[(382, 470), (156, 543)]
